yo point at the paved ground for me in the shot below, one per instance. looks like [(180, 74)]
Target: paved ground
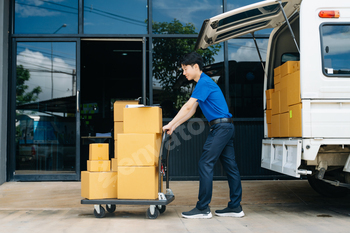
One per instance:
[(270, 206)]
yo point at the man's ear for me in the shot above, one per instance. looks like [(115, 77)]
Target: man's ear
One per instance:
[(196, 66)]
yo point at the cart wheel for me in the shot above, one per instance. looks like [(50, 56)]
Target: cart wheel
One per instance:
[(152, 216), (111, 209), (101, 214), (161, 208)]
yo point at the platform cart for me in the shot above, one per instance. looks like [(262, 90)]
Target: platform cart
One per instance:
[(156, 206)]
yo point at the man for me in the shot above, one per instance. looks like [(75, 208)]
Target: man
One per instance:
[(219, 144)]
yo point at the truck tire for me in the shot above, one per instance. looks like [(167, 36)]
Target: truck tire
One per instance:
[(326, 189)]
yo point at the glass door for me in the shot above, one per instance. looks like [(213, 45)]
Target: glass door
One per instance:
[(45, 125)]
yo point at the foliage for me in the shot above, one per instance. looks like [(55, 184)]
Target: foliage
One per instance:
[(22, 95), (167, 53)]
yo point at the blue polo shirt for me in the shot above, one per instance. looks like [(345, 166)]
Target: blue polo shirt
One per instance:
[(210, 99)]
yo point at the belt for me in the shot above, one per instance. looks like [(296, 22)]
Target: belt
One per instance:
[(220, 120)]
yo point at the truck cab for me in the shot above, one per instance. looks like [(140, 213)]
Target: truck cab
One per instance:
[(306, 85)]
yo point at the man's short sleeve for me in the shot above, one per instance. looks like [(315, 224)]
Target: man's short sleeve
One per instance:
[(201, 91)]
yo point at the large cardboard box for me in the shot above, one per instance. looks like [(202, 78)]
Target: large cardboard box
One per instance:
[(143, 120), (99, 185), (99, 151), (275, 125), (98, 165), (118, 108), (295, 120), (287, 68), (275, 103), (294, 88), (138, 182), (118, 128), (284, 124), (138, 149)]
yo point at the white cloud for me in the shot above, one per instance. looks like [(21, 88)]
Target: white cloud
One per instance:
[(248, 52), (338, 44), (24, 10), (40, 74)]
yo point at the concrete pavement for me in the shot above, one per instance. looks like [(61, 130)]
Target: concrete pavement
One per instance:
[(270, 206)]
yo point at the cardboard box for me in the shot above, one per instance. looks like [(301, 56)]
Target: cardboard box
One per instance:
[(296, 66), (284, 94), (275, 103), (275, 126), (118, 128), (295, 120), (143, 120), (99, 185), (138, 149), (99, 165), (269, 104), (115, 148), (284, 124), (268, 116), (114, 167), (99, 151), (138, 182), (277, 79), (118, 108), (268, 93), (269, 130), (294, 88), (287, 68), (278, 86), (277, 71)]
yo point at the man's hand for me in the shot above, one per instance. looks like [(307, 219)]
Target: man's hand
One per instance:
[(169, 129)]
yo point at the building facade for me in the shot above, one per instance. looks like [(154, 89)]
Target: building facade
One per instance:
[(64, 63)]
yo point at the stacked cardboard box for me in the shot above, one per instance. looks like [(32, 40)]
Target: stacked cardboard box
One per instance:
[(286, 101), (118, 113), (138, 153), (98, 181)]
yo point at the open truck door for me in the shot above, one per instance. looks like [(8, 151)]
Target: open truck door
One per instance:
[(321, 147)]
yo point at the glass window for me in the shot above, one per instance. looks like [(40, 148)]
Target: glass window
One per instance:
[(246, 77), (171, 89), (46, 17), (115, 17), (45, 107), (189, 13), (336, 49)]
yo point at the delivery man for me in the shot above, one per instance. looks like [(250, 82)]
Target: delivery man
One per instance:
[(219, 144)]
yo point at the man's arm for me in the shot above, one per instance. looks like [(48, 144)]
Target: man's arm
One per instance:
[(185, 113)]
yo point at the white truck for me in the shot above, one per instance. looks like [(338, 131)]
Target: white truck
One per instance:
[(317, 33)]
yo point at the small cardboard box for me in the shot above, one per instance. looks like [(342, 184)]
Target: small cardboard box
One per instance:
[(277, 71), (99, 185), (287, 68), (295, 120), (269, 130), (143, 120), (138, 149), (138, 182), (276, 80), (268, 116), (118, 108), (99, 151), (268, 93), (284, 124), (99, 165), (296, 66), (275, 125)]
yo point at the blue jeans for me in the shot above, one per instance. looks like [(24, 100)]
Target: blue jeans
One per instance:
[(219, 144)]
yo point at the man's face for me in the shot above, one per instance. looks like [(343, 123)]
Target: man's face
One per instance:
[(189, 71)]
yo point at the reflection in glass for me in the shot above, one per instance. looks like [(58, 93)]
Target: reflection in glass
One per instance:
[(171, 89), (45, 113), (187, 12), (336, 49), (115, 17), (39, 16), (246, 77)]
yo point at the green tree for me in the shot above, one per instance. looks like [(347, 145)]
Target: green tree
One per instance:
[(166, 55), (22, 94)]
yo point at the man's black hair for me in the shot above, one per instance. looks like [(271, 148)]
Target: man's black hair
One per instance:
[(192, 59)]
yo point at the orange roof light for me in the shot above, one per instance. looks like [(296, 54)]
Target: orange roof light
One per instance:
[(329, 14)]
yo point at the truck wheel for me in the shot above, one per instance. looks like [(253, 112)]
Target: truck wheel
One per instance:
[(326, 189)]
